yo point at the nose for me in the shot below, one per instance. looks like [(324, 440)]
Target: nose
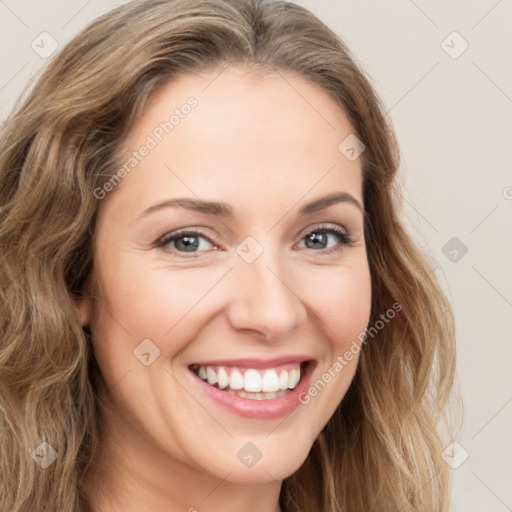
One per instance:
[(265, 298)]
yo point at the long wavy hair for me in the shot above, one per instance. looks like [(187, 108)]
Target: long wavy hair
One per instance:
[(381, 450)]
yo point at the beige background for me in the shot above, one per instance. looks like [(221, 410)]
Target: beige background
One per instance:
[(453, 119)]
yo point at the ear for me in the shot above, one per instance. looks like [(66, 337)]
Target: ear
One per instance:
[(84, 310), (84, 303)]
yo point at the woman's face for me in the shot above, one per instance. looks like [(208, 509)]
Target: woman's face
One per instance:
[(232, 252)]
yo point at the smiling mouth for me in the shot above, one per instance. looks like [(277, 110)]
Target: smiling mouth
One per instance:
[(252, 383)]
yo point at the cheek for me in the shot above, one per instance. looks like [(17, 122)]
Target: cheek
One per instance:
[(151, 302), (342, 305), (343, 302), (169, 306)]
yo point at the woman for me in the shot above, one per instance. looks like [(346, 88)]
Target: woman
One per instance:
[(208, 299)]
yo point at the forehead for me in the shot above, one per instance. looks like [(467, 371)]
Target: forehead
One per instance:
[(246, 134)]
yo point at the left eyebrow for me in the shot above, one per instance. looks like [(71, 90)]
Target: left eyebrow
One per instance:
[(326, 201)]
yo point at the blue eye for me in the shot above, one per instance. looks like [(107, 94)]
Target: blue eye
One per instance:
[(318, 239), (185, 241), (321, 239)]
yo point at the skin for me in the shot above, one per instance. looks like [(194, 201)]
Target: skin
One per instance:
[(266, 149)]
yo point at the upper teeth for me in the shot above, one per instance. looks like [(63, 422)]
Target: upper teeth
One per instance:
[(251, 380)]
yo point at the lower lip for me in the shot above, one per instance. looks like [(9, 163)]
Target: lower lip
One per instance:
[(259, 409)]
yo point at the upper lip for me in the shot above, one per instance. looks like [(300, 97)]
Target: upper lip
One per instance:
[(256, 362)]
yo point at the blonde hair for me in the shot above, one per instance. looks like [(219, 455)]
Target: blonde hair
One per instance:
[(381, 449)]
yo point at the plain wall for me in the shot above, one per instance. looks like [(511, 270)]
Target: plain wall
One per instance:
[(452, 114)]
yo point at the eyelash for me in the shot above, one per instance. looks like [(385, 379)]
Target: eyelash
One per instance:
[(344, 239)]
